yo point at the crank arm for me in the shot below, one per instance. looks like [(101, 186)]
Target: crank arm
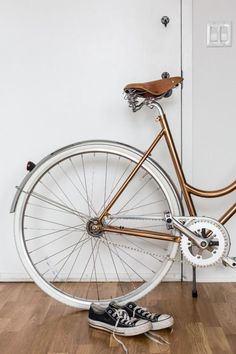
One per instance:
[(198, 242), (173, 222)]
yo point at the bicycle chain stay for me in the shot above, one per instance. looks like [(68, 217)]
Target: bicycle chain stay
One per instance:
[(168, 218)]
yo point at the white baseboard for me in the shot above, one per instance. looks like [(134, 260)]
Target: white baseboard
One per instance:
[(203, 276), (14, 277), (214, 274), (23, 277)]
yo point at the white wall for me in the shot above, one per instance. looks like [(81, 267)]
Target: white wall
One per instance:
[(63, 67), (214, 119), (214, 86)]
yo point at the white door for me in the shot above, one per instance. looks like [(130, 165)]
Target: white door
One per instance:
[(64, 64), (114, 43)]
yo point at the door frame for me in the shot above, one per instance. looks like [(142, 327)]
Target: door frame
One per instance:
[(187, 99)]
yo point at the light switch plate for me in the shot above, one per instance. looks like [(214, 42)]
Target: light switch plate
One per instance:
[(219, 34)]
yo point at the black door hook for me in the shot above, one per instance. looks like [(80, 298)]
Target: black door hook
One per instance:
[(165, 75), (165, 20)]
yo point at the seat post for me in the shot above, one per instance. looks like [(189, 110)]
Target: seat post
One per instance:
[(153, 103)]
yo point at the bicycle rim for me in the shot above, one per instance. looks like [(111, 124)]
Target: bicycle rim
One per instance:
[(51, 225)]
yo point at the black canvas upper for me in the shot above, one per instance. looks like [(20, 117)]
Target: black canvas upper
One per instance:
[(140, 313), (108, 317)]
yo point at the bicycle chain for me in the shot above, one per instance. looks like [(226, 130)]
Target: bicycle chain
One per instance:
[(153, 254)]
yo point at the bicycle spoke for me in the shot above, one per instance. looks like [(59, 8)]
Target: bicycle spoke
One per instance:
[(40, 228), (48, 208), (56, 253), (54, 203), (68, 257), (86, 188), (117, 274), (140, 206), (77, 248), (92, 187), (100, 259), (113, 189), (105, 182), (60, 188), (76, 187), (79, 263), (116, 172), (138, 261), (51, 233), (146, 197), (53, 193), (50, 222), (87, 262), (94, 269), (77, 174), (50, 242), (127, 265), (134, 195), (123, 265), (138, 246)]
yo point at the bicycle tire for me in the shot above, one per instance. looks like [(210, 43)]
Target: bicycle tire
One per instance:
[(49, 168)]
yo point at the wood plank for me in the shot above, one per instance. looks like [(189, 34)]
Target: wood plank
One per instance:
[(32, 322), (218, 341)]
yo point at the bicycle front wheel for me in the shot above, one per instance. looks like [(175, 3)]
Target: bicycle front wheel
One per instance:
[(61, 197)]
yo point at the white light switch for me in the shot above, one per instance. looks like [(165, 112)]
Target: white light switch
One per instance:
[(224, 33), (219, 34), (214, 33)]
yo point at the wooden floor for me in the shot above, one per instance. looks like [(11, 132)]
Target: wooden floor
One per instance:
[(33, 323)]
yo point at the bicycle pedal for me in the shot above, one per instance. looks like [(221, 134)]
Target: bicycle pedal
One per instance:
[(231, 262)]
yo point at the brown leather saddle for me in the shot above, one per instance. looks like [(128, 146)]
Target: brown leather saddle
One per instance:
[(154, 88)]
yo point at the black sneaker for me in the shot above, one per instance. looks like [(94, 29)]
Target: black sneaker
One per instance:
[(115, 319), (158, 321)]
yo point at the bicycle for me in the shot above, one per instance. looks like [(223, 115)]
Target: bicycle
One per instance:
[(101, 220)]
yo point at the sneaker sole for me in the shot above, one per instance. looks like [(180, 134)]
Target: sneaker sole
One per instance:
[(134, 331), (162, 324)]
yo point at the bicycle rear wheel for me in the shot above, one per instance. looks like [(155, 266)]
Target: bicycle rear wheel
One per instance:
[(59, 199)]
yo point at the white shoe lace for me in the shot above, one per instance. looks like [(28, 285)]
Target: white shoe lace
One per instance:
[(142, 310), (122, 317), (150, 316), (156, 338)]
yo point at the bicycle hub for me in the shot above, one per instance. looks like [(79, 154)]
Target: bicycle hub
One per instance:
[(94, 227)]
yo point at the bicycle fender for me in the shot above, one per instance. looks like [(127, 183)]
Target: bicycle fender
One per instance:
[(20, 188)]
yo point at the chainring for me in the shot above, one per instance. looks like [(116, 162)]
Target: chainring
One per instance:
[(210, 230)]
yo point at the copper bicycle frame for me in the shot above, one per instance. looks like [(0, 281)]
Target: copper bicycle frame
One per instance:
[(187, 190)]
